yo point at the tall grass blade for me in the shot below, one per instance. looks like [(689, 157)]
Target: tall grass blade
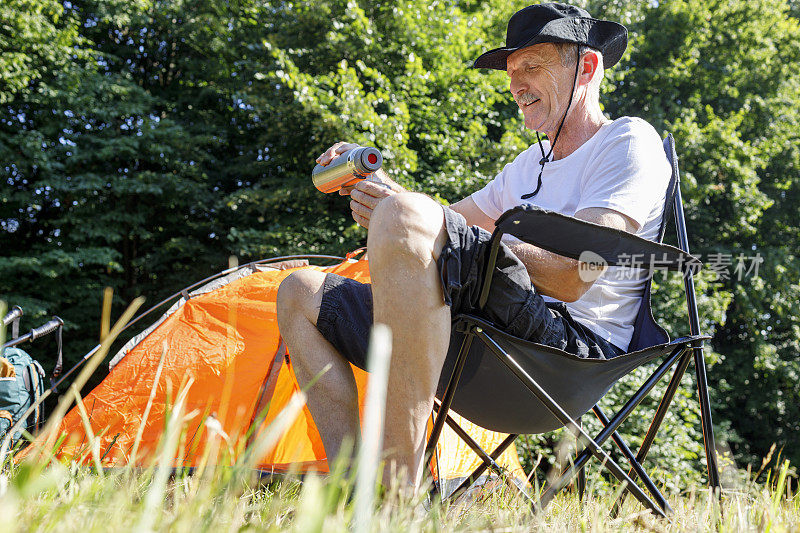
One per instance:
[(51, 428), (267, 440), (94, 444), (105, 317), (146, 414), (3, 309), (169, 444), (777, 495), (378, 357)]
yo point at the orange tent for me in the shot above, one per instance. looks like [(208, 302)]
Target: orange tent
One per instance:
[(223, 337)]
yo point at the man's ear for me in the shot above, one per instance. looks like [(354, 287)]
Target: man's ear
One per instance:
[(590, 62)]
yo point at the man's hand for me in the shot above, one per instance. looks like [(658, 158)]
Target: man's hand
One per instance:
[(365, 194), (364, 197), (335, 151)]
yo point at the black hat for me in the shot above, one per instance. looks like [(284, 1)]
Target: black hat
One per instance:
[(557, 23)]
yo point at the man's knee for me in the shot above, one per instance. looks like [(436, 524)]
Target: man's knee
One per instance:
[(300, 295), (407, 224)]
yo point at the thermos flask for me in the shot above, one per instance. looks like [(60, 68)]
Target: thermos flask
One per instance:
[(347, 169)]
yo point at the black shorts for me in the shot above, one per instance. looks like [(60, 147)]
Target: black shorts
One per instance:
[(514, 306)]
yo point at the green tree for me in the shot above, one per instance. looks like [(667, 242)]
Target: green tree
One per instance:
[(104, 189), (719, 75), (144, 142)]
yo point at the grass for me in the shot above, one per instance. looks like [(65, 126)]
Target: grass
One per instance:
[(42, 493), (66, 498)]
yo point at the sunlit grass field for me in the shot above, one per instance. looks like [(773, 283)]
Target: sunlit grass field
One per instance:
[(39, 492), (65, 498)]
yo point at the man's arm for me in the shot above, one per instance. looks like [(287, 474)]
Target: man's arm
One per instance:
[(558, 276), (552, 275), (473, 214)]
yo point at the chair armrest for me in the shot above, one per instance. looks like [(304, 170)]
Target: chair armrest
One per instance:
[(570, 237)]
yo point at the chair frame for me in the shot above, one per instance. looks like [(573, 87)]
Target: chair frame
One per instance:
[(682, 351)]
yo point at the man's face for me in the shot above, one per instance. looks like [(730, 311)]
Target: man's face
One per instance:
[(540, 85)]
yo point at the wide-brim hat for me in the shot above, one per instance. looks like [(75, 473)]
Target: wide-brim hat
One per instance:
[(558, 23)]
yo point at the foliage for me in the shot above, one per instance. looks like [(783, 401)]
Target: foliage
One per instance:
[(144, 142), (719, 75)]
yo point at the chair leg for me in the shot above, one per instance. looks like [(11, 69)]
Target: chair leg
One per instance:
[(447, 400), (637, 467), (611, 427), (699, 361), (661, 412), (705, 419), (436, 481), (487, 461), (565, 419), (581, 480)]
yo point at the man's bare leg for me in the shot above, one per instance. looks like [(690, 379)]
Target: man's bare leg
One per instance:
[(406, 236), (333, 399)]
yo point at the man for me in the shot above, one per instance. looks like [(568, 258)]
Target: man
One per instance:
[(426, 261)]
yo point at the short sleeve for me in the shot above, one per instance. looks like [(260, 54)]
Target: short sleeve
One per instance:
[(629, 173), (503, 192), (489, 199)]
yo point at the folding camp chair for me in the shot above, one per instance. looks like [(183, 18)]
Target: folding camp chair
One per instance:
[(514, 386)]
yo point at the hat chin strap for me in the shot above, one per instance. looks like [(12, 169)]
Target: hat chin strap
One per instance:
[(545, 158)]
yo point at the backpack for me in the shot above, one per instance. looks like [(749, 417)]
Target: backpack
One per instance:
[(19, 392)]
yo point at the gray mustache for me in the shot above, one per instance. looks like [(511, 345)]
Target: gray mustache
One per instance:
[(526, 98)]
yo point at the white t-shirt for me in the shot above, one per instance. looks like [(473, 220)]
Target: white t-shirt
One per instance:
[(622, 167)]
